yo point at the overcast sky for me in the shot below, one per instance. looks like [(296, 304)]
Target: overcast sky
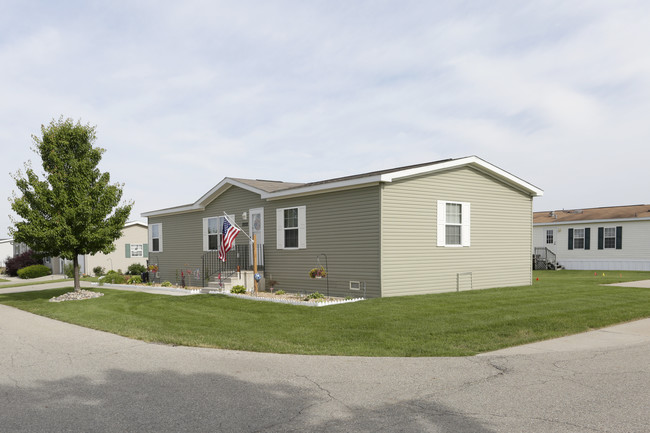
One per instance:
[(185, 93)]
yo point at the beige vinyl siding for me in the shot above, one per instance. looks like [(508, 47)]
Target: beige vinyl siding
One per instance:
[(501, 234), (135, 234), (183, 233), (635, 254), (344, 225)]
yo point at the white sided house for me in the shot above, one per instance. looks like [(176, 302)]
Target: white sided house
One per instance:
[(606, 238), (455, 224)]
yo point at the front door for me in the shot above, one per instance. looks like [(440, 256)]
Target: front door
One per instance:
[(257, 228)]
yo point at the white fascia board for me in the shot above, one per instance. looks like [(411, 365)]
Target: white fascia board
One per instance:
[(202, 202), (315, 189), (470, 160), (602, 221), (135, 223)]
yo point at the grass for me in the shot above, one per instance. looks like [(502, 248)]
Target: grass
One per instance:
[(2, 280), (448, 324), (33, 283)]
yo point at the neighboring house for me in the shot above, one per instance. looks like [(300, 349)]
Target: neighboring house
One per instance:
[(6, 250), (434, 227), (606, 238), (131, 247)]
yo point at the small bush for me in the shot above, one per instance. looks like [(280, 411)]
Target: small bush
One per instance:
[(136, 269), (23, 260), (315, 295), (280, 292), (166, 284), (113, 277), (98, 271), (68, 270), (135, 279), (240, 290), (34, 271)]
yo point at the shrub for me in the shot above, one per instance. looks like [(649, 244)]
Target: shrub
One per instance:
[(280, 292), (238, 290), (23, 260), (68, 270), (113, 277), (34, 271), (136, 269), (98, 271), (166, 284), (135, 279), (315, 295)]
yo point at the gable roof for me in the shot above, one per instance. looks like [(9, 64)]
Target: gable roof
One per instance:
[(632, 212), (270, 190)]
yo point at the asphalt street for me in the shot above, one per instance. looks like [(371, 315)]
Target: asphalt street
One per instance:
[(57, 377)]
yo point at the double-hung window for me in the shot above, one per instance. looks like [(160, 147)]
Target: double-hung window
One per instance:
[(610, 238), (579, 239), (549, 236), (453, 224), (213, 232), (291, 224), (155, 237)]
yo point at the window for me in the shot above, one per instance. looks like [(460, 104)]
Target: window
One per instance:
[(453, 224), (579, 239), (355, 285), (291, 228), (213, 232), (610, 238), (549, 236), (155, 237), (137, 250)]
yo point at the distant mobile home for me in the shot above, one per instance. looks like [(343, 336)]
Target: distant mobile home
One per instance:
[(455, 224), (604, 238)]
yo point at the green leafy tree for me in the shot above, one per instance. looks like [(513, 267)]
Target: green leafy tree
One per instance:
[(74, 208)]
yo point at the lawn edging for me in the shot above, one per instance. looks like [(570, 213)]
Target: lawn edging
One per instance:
[(316, 303), (143, 288)]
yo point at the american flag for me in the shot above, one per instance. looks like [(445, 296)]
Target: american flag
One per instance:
[(230, 232)]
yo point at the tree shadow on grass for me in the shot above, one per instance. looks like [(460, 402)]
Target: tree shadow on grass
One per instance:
[(171, 402)]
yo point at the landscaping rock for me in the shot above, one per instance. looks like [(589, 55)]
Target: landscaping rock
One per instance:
[(77, 296)]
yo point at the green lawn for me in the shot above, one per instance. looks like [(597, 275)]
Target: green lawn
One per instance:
[(32, 283), (449, 324)]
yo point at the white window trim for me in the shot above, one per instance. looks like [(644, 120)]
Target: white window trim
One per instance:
[(605, 247), (141, 251), (302, 228), (465, 230), (576, 237), (160, 238), (552, 233)]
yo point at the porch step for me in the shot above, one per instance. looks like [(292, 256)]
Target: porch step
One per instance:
[(243, 278)]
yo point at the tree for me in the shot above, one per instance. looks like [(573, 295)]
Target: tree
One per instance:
[(74, 209)]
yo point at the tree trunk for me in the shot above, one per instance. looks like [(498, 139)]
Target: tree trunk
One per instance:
[(75, 264)]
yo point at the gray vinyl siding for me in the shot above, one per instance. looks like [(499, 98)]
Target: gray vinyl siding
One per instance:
[(183, 233), (501, 234), (344, 225)]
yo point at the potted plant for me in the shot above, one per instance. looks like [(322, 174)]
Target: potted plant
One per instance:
[(318, 272)]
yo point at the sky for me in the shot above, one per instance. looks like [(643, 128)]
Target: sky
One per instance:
[(183, 94)]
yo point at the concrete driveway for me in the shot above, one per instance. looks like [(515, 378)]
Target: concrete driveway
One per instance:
[(60, 377)]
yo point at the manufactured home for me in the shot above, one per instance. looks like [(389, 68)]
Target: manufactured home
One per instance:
[(604, 238), (455, 224)]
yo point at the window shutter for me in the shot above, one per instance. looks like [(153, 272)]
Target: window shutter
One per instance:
[(127, 251), (302, 227), (619, 237), (205, 234), (587, 238), (279, 225), (145, 250), (150, 241), (440, 232), (160, 233), (601, 238), (465, 225), (570, 239)]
